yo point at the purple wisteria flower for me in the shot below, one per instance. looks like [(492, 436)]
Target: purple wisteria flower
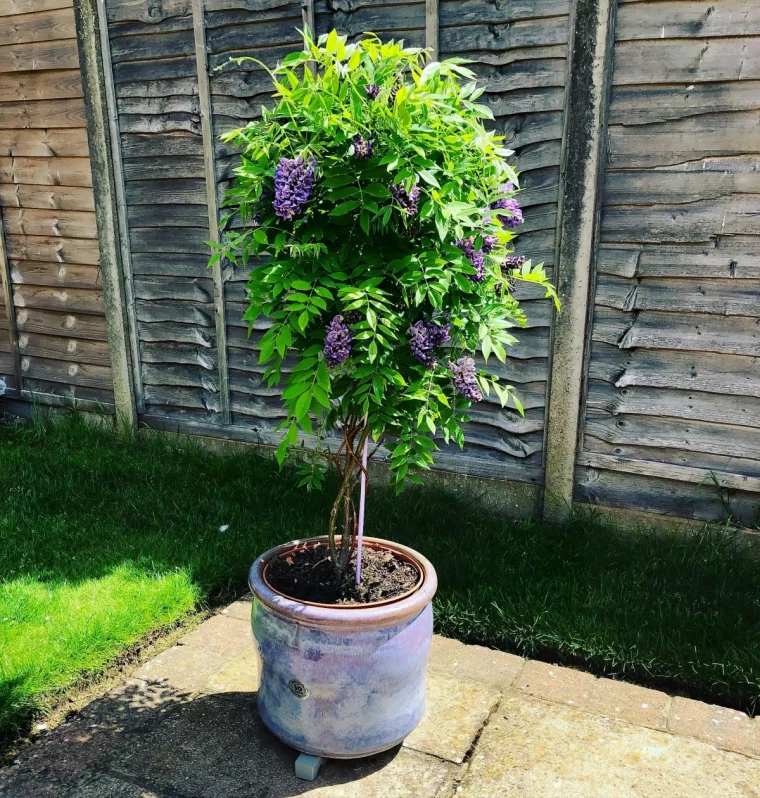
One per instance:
[(363, 147), (293, 184), (489, 243), (407, 199), (424, 337), (509, 204), (372, 91), (464, 378), (512, 262), (338, 342), (475, 256)]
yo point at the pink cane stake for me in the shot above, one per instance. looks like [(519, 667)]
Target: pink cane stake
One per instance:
[(362, 496)]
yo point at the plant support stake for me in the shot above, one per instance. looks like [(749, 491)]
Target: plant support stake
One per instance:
[(362, 497)]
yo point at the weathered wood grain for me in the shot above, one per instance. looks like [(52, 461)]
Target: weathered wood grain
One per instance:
[(644, 104), (164, 106), (166, 192), (67, 113), (690, 331), (538, 156), (157, 46), (187, 87), (520, 130), (65, 300), (154, 69), (37, 222), (736, 214), (160, 123), (42, 26), (667, 433), (54, 347), (690, 371), (525, 34), (161, 145), (28, 86), (46, 171), (664, 497), (686, 20), (62, 198), (526, 100), (166, 216), (65, 325), (61, 54), (10, 8), (686, 61), (78, 397), (680, 140), (53, 249), (699, 179), (667, 471), (165, 168), (182, 375), (522, 75), (741, 411), (687, 458), (63, 143), (712, 296), (68, 372), (169, 352), (155, 239), (60, 275), (169, 332), (145, 11), (464, 12), (189, 290), (169, 310), (171, 264), (689, 260), (179, 397)]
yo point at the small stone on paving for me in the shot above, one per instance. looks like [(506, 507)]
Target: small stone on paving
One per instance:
[(544, 750), (724, 728), (552, 683), (455, 712), (240, 609)]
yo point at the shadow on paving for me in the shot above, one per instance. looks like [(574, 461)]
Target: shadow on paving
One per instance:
[(142, 741)]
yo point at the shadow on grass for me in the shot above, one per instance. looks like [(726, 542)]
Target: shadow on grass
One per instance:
[(76, 504)]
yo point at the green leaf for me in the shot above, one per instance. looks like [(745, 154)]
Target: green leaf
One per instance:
[(372, 351), (300, 285), (429, 177), (345, 207), (323, 376), (376, 190), (303, 404), (372, 318)]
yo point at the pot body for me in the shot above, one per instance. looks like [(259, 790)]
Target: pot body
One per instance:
[(342, 682)]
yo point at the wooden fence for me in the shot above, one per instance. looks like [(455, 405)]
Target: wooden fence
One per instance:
[(635, 125)]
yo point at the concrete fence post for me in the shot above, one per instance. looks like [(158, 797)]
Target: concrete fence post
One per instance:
[(98, 133), (581, 171)]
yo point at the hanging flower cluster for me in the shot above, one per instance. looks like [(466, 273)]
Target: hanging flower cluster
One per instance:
[(490, 243), (475, 256), (394, 90), (338, 342), (510, 204), (424, 337), (293, 184), (407, 199), (362, 147), (464, 378), (372, 91)]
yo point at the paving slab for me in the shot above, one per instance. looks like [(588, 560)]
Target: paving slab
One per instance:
[(214, 747), (724, 728), (630, 702), (239, 675), (477, 663), (182, 667), (455, 712), (553, 683), (539, 749), (240, 609), (223, 634)]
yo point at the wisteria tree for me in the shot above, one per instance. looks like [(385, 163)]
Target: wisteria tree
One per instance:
[(382, 212)]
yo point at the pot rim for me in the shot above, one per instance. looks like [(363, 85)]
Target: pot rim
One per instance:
[(389, 612), (370, 543)]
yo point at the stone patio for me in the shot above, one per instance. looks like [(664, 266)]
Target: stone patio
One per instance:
[(185, 726)]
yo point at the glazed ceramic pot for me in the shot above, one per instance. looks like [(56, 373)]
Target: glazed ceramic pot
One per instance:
[(342, 681)]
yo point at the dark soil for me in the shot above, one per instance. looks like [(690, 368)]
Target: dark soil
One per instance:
[(309, 575)]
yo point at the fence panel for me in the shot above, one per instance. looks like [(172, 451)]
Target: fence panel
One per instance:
[(673, 406)]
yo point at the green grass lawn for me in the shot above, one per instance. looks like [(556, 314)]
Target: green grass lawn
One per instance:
[(104, 540)]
